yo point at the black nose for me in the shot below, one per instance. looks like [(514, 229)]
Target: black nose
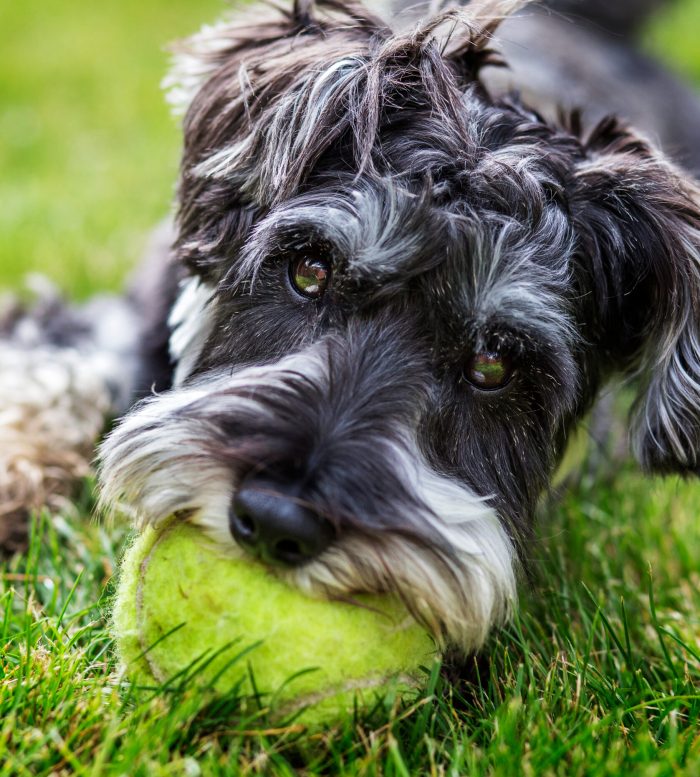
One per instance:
[(269, 520)]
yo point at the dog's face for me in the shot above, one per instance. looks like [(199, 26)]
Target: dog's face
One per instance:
[(401, 296)]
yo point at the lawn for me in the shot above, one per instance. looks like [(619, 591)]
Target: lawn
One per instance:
[(600, 674)]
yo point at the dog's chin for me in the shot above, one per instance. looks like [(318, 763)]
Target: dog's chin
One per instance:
[(422, 536)]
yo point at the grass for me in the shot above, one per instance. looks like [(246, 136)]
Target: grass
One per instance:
[(674, 36), (89, 150), (600, 674)]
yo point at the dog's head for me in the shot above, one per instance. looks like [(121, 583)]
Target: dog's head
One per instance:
[(402, 295)]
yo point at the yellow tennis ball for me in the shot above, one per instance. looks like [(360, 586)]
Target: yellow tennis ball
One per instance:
[(180, 603)]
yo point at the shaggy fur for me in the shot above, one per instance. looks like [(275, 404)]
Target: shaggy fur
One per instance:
[(454, 223)]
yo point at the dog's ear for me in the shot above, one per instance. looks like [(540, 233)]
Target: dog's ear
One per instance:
[(638, 220)]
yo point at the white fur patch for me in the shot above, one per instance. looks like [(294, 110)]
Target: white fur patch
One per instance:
[(156, 462), (191, 321), (459, 598), (509, 276)]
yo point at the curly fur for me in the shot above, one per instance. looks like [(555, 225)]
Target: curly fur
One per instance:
[(52, 408)]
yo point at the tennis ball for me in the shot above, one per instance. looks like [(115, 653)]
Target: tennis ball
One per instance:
[(182, 604)]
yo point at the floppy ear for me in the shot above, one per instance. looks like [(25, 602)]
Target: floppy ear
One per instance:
[(638, 219)]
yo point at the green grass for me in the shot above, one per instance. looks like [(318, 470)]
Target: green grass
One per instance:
[(599, 675), (675, 36), (89, 151)]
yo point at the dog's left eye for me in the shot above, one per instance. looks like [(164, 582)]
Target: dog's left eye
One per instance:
[(489, 371), (310, 275)]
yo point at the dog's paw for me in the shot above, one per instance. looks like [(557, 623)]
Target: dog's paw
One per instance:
[(52, 408)]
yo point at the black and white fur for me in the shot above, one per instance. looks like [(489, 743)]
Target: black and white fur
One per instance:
[(457, 222)]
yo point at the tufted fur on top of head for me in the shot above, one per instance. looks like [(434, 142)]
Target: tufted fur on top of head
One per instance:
[(266, 98)]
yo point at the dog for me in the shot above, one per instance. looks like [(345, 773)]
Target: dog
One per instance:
[(389, 298)]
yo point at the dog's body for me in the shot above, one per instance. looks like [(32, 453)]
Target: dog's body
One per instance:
[(392, 296)]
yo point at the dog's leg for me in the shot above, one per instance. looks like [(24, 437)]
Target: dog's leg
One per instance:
[(64, 371)]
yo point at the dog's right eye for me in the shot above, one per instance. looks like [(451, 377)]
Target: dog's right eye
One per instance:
[(310, 275)]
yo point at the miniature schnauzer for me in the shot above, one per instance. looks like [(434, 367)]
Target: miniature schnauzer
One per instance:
[(392, 295)]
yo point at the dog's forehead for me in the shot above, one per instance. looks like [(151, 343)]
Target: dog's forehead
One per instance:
[(435, 185), (475, 208)]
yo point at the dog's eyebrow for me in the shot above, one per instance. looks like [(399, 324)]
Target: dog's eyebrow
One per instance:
[(499, 270), (379, 233)]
